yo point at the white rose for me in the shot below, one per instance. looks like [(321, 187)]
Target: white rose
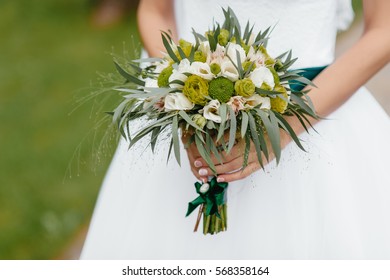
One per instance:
[(232, 49), (229, 71), (262, 75), (211, 111), (178, 74), (177, 101), (202, 70), (256, 100)]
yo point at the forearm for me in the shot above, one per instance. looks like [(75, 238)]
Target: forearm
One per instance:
[(348, 73), (153, 17)]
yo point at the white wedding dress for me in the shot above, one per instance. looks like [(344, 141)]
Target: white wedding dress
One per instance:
[(332, 202)]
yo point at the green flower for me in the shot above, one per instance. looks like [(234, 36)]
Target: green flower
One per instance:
[(199, 120), (221, 89), (280, 104), (215, 68), (200, 56), (196, 89), (163, 78), (223, 37), (244, 87)]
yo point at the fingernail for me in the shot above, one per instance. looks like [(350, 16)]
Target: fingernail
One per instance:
[(220, 179), (198, 163), (202, 172)]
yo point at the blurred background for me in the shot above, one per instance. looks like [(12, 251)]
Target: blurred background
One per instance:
[(50, 176)]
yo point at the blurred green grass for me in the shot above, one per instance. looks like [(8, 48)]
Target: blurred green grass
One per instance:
[(48, 52)]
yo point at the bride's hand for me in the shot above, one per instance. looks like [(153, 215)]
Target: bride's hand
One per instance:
[(231, 168)]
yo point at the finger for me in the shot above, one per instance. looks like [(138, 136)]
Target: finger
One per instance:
[(228, 167), (241, 174), (224, 157)]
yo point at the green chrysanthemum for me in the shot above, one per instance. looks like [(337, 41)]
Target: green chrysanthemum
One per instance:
[(223, 37), (215, 68), (196, 89), (280, 104), (244, 87), (163, 78), (200, 56), (221, 89)]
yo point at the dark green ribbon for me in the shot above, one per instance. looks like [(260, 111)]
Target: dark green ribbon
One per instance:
[(309, 73), (213, 198)]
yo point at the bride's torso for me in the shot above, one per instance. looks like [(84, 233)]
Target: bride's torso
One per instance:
[(308, 27)]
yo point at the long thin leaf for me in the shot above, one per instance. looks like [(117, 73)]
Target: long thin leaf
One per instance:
[(244, 123), (223, 114), (203, 153), (175, 138), (170, 150), (187, 118), (255, 138), (233, 129), (290, 131), (127, 76), (169, 49)]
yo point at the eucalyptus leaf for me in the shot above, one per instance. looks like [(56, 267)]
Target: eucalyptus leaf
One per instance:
[(223, 113), (233, 129), (168, 47), (127, 76), (187, 118), (203, 153), (290, 130), (244, 123), (255, 138), (175, 138)]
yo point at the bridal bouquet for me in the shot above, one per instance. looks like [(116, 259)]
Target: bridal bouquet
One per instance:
[(221, 89)]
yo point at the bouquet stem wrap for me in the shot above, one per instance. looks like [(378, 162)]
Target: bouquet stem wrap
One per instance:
[(212, 202)]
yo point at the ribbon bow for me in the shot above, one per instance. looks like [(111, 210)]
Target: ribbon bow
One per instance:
[(212, 198)]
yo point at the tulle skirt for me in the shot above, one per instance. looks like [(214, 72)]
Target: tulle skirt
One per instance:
[(331, 202)]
